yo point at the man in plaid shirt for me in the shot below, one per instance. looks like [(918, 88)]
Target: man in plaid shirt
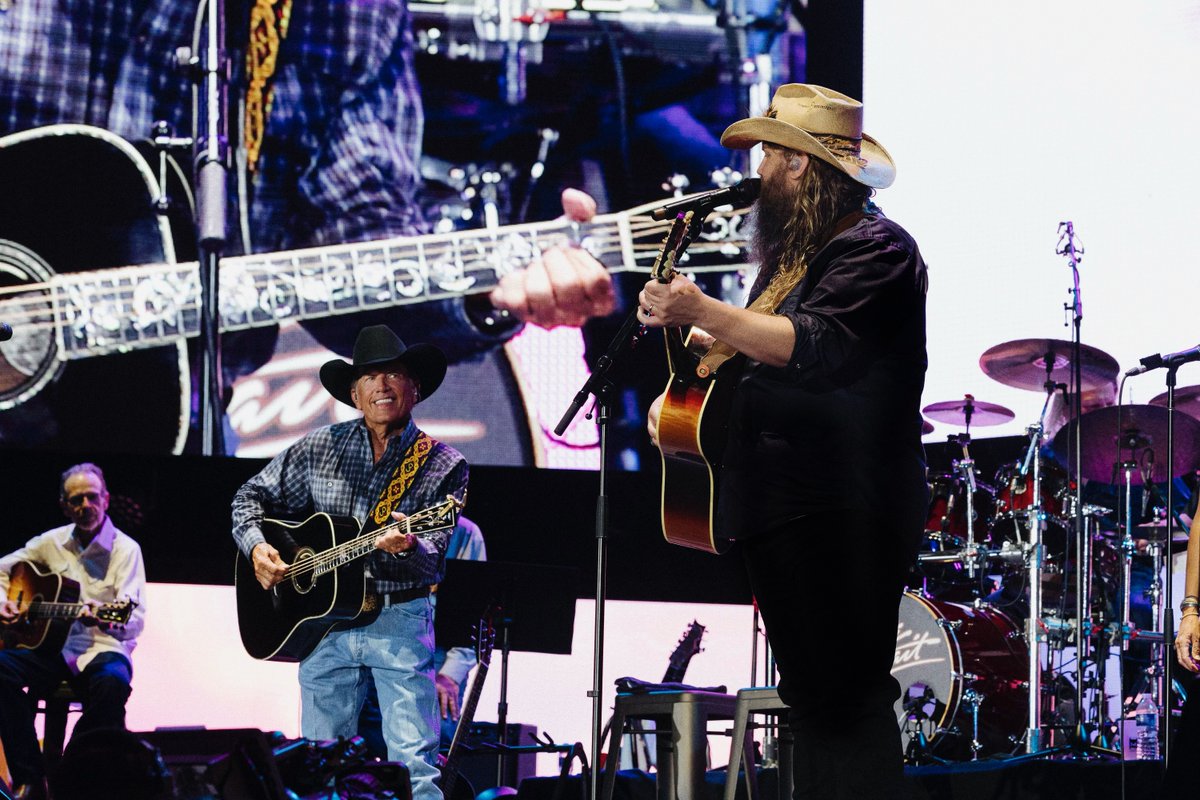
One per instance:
[(347, 469)]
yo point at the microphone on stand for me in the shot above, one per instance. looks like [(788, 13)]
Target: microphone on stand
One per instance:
[(1158, 360), (741, 193)]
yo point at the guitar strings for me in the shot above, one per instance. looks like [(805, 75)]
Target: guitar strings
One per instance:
[(339, 552), (34, 311)]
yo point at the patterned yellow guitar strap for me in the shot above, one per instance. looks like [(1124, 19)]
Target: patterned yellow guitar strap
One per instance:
[(268, 28), (402, 478)]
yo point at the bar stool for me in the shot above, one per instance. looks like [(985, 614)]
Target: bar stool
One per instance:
[(681, 736), (55, 706), (755, 700)]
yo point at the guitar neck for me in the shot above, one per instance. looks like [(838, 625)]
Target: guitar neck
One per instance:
[(465, 717), (46, 609), (423, 523), (115, 310)]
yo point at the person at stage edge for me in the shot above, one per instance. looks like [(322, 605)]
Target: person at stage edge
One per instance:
[(823, 480), (1183, 768), (349, 469), (97, 659)]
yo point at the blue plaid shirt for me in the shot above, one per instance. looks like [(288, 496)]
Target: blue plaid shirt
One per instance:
[(340, 157), (331, 470)]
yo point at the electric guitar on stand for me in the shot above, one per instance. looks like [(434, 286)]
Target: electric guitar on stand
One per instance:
[(485, 640)]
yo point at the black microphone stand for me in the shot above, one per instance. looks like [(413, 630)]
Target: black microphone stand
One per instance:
[(1168, 617), (211, 158), (602, 388)]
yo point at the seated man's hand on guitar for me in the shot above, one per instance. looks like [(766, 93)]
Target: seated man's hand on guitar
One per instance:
[(652, 418), (396, 541), (269, 568), (88, 615), (9, 611), (1187, 643), (447, 694), (564, 285)]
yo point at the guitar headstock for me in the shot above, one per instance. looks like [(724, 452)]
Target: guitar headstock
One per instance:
[(485, 638), (115, 614), (440, 517), (673, 245), (689, 645)]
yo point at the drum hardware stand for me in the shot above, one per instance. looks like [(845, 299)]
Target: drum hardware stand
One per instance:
[(163, 139)]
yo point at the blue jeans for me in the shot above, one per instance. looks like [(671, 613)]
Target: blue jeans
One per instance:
[(397, 651)]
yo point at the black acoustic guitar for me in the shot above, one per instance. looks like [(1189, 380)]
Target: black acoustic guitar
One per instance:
[(326, 581), (101, 311), (48, 604)]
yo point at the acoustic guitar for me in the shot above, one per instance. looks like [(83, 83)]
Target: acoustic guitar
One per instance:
[(694, 421), (48, 604), (326, 583), (90, 285)]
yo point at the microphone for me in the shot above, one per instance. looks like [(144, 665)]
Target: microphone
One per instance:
[(5, 331), (1158, 360), (740, 194)]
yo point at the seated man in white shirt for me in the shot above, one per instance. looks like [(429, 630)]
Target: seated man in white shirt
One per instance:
[(96, 658)]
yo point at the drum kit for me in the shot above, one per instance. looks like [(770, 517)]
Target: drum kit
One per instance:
[(1024, 591)]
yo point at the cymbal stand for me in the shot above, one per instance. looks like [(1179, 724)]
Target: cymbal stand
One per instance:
[(971, 554), (1034, 556)]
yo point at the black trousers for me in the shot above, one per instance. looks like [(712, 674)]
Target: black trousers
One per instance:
[(103, 685), (828, 587)]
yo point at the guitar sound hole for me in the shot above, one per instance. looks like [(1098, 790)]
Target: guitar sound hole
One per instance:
[(302, 575), (27, 361)]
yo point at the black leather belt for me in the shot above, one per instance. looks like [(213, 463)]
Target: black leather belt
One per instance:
[(385, 599)]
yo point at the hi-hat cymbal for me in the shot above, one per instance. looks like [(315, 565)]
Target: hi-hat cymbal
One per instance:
[(1187, 400), (1142, 437), (1029, 363), (968, 412)]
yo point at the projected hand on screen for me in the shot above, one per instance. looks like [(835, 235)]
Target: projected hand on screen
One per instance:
[(565, 286)]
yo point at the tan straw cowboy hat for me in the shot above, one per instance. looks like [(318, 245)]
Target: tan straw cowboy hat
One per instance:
[(823, 123)]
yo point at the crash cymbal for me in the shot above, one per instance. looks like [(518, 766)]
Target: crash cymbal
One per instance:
[(1142, 437), (968, 412), (1187, 400), (1023, 364)]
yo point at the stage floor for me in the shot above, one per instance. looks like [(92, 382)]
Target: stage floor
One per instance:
[(1009, 779)]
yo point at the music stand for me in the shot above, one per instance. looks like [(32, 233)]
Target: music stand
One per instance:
[(536, 614)]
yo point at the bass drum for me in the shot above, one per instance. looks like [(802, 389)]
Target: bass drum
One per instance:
[(951, 658)]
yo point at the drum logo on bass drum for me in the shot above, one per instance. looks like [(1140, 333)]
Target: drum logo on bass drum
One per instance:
[(909, 650)]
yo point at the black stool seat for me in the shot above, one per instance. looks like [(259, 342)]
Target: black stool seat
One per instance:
[(55, 706)]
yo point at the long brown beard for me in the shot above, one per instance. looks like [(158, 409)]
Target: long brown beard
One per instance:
[(790, 227)]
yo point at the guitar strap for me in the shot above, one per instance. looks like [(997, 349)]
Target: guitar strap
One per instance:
[(268, 28), (720, 352), (402, 478)]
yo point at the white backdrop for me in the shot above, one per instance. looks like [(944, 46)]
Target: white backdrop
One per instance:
[(1008, 118)]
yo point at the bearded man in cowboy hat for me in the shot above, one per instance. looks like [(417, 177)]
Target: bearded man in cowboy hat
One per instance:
[(377, 467), (823, 479)]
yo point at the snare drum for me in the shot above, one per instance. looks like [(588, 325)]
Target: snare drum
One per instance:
[(950, 657)]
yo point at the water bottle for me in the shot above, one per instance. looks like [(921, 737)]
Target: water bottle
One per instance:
[(1146, 718)]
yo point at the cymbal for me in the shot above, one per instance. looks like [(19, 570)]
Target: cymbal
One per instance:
[(1142, 437), (1187, 400), (1023, 363), (968, 412)]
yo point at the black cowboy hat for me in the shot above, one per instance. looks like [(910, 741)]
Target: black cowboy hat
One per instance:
[(378, 344)]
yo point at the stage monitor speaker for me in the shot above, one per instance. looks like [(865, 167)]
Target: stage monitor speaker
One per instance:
[(480, 767), (236, 764)]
